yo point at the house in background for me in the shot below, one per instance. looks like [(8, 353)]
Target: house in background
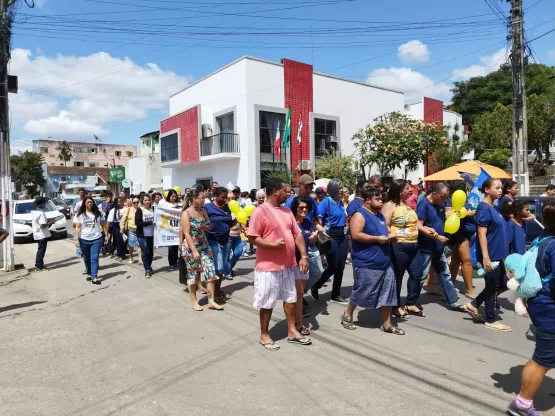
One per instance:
[(61, 180), (145, 171)]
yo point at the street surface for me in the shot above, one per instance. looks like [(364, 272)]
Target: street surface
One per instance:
[(133, 346)]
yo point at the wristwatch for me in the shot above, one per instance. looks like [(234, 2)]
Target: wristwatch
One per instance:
[(304, 257)]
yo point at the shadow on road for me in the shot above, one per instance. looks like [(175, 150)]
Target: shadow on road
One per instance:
[(110, 275), (20, 305), (510, 383)]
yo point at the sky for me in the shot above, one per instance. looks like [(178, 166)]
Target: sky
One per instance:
[(108, 67)]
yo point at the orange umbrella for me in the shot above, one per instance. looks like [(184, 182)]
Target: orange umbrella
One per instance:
[(470, 166)]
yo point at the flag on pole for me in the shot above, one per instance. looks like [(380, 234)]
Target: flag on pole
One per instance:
[(287, 132), (300, 132), (476, 196), (96, 138), (277, 143)]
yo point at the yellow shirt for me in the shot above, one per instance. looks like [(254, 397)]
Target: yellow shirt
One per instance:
[(403, 223)]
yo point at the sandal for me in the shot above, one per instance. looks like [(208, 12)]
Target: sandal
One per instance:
[(197, 308), (303, 330), (300, 341), (347, 322), (496, 326), (400, 316), (419, 313), (476, 316), (392, 330), (270, 346)]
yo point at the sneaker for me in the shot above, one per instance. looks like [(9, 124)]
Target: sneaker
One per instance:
[(147, 275), (340, 300), (85, 272), (96, 280), (314, 293), (246, 254), (514, 410), (130, 261), (89, 278)]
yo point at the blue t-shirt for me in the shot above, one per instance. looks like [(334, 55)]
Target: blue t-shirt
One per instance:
[(498, 246), (311, 214), (433, 217), (307, 229), (542, 307), (354, 206), (516, 237), (502, 201), (336, 217), (220, 219), (371, 255)]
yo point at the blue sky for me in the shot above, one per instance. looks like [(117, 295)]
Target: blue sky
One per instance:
[(108, 66)]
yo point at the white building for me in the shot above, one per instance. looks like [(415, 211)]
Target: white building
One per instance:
[(145, 171), (222, 128)]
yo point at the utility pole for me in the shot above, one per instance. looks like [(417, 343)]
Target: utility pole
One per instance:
[(520, 133)]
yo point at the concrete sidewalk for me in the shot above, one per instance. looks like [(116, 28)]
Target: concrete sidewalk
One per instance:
[(134, 346)]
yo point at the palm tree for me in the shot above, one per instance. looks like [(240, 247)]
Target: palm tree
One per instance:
[(64, 153)]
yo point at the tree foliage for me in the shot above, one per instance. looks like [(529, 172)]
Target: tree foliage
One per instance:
[(27, 169), (337, 165), (477, 95), (64, 151), (497, 157), (287, 176), (394, 139), (492, 130), (451, 154), (540, 110)]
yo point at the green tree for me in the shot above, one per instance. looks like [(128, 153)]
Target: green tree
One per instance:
[(497, 157), (452, 153), (540, 112), (337, 165), (64, 152), (27, 170), (492, 130), (285, 175), (477, 95), (394, 139)]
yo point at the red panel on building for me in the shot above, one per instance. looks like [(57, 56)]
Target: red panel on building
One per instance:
[(433, 113), (299, 98), (188, 124)]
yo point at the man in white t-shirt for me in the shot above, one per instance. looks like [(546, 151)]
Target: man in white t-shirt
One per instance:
[(41, 231)]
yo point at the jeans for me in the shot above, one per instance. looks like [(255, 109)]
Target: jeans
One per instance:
[(236, 251), (147, 251), (336, 261), (220, 251), (439, 262), (496, 282), (172, 255), (315, 268), (544, 353), (118, 240), (41, 251), (406, 257), (91, 254)]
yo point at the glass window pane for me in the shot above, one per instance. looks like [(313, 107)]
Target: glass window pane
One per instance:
[(319, 126), (330, 127)]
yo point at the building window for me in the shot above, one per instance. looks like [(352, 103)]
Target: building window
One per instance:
[(93, 164), (79, 164), (269, 162), (129, 154), (118, 153), (325, 137), (61, 164), (62, 178), (225, 123), (206, 183), (169, 148), (44, 149)]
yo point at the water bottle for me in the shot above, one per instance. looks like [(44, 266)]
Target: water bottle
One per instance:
[(481, 272), (78, 253)]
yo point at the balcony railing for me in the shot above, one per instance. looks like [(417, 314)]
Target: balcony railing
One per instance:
[(219, 143)]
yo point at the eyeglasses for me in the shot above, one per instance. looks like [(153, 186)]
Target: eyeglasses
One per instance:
[(302, 208), (135, 202)]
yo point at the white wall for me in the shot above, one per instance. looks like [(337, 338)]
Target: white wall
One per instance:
[(137, 173), (416, 110), (222, 172)]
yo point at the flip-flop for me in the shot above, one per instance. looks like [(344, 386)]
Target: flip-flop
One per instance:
[(270, 346), (303, 330), (300, 341), (475, 315), (197, 310), (472, 297), (498, 327)]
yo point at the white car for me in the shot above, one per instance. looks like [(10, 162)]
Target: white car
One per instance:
[(22, 229)]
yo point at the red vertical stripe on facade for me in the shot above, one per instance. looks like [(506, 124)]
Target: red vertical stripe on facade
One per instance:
[(299, 98), (188, 124), (433, 113)]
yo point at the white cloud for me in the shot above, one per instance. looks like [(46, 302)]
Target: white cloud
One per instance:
[(488, 64), (100, 88), (19, 146), (413, 51), (24, 106), (414, 84), (551, 53), (63, 123)]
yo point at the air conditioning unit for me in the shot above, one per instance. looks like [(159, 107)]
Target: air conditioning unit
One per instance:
[(306, 165), (206, 130), (331, 139)]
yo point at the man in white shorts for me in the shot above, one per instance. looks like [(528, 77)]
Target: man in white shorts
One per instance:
[(274, 231)]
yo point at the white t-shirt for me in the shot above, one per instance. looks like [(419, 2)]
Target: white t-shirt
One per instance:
[(148, 216), (77, 206), (113, 213), (38, 217), (90, 226)]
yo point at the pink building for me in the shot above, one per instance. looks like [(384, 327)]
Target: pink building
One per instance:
[(89, 155)]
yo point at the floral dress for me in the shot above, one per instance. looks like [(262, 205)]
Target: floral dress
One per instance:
[(205, 264)]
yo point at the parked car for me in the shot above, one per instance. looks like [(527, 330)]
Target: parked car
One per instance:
[(62, 206), (22, 229), (532, 155), (535, 203)]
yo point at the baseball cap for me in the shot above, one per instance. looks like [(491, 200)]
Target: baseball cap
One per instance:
[(306, 180)]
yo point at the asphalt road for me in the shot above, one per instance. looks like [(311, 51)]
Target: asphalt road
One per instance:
[(134, 346)]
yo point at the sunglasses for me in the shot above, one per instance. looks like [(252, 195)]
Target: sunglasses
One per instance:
[(135, 202), (302, 208)]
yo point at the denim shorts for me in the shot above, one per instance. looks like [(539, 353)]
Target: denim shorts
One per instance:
[(132, 240), (544, 354), (220, 253)]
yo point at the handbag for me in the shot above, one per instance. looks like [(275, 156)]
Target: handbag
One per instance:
[(182, 266), (324, 241)]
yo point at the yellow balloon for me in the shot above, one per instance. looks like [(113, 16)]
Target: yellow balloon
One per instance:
[(249, 210), (234, 206), (177, 189), (452, 224), (242, 217), (165, 194), (463, 212), (459, 198)]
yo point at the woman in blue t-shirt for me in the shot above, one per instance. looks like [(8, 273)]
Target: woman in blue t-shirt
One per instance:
[(542, 313), (515, 215), (510, 191), (491, 247)]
